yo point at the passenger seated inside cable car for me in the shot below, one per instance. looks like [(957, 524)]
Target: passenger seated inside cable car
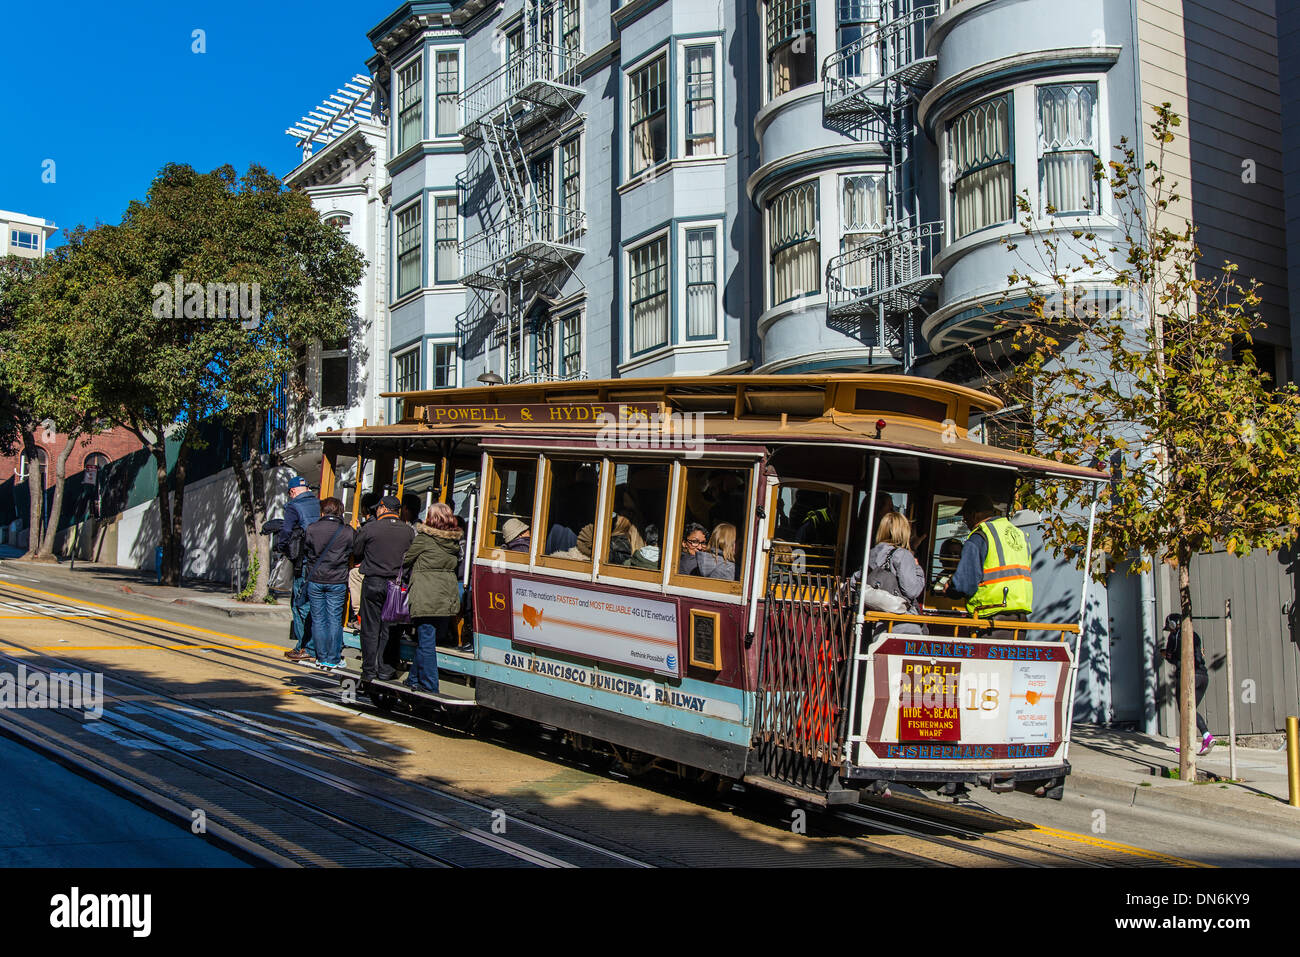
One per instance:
[(716, 508), (514, 484)]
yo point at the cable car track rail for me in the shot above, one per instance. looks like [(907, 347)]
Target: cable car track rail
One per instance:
[(519, 852)]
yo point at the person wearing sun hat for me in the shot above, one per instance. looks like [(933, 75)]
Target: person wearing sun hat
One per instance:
[(516, 536)]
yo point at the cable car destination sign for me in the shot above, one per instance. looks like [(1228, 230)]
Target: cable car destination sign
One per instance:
[(545, 413)]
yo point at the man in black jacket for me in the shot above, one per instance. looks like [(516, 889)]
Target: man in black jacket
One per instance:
[(329, 542), (1174, 655), (380, 547)]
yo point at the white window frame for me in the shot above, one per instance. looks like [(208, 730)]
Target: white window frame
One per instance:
[(399, 293), (769, 256), (1042, 153), (628, 175), (680, 94), (15, 240), (455, 375), (950, 202), (415, 349), (683, 283), (460, 89), (460, 265), (570, 233), (664, 235), (398, 147), (580, 314)]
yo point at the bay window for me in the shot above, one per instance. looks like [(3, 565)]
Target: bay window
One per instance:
[(409, 250), (701, 283), (448, 90), (700, 107), (446, 251), (863, 214)]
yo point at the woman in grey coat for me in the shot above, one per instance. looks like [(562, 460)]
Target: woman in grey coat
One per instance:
[(894, 569), (434, 595)]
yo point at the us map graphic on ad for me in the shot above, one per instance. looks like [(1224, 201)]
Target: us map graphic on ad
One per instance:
[(624, 629)]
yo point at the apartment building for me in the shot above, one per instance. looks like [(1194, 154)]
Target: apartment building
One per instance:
[(22, 235), (657, 188)]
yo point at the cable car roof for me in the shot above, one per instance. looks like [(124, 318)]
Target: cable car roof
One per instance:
[(920, 416)]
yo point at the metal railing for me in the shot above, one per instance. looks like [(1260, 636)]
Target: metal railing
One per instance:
[(542, 234), (896, 267), (894, 51), (543, 73)]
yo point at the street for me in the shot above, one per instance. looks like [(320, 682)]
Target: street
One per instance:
[(203, 711)]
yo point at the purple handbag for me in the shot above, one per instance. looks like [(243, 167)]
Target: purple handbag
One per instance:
[(397, 606)]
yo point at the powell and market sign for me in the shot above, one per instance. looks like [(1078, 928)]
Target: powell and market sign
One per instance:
[(544, 413)]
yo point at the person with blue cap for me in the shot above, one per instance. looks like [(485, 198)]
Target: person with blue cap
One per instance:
[(302, 511)]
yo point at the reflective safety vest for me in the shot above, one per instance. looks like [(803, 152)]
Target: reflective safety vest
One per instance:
[(1006, 585)]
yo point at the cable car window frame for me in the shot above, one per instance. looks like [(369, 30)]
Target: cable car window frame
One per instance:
[(842, 533), (486, 549), (700, 583), (626, 574), (550, 563)]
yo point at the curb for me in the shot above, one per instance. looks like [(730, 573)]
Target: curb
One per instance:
[(270, 612), (1273, 816)]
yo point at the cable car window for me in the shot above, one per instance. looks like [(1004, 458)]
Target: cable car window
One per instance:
[(949, 532), (569, 517), (638, 513), (714, 523), (808, 528), (510, 509)]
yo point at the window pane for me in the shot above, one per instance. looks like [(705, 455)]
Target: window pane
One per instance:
[(410, 106), (649, 114), (446, 251), (649, 287), (862, 203), (715, 522), (701, 283), (700, 134), (979, 146), (571, 188), (807, 529), (791, 45), (639, 511), (406, 372), (514, 484), (444, 366), (571, 512), (408, 250), (448, 85), (333, 381), (1067, 146), (793, 241), (571, 345)]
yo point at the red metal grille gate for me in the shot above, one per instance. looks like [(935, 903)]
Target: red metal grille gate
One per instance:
[(803, 688)]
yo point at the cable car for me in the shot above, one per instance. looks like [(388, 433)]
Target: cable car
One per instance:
[(664, 569)]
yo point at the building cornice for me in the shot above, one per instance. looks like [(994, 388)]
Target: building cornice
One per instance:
[(970, 84)]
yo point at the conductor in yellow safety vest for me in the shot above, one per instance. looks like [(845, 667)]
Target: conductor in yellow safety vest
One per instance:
[(993, 574)]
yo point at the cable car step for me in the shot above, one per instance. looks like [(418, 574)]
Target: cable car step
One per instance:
[(836, 795), (449, 695)]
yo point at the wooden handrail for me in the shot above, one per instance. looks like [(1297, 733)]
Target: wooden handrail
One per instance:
[(978, 624)]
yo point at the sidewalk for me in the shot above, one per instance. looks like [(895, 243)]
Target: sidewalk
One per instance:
[(114, 579), (1129, 766)]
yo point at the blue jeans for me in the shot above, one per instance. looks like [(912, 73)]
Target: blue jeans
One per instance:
[(424, 666), (299, 631), (327, 620)]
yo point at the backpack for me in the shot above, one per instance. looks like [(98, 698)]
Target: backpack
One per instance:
[(884, 578)]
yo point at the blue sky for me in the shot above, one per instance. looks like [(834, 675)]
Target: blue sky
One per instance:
[(112, 91)]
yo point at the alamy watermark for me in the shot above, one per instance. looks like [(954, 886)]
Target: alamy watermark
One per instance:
[(70, 690), (214, 300), (656, 430)]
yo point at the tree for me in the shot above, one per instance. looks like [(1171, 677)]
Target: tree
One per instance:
[(189, 312), (45, 367), (1162, 385), (19, 420), (307, 273)]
